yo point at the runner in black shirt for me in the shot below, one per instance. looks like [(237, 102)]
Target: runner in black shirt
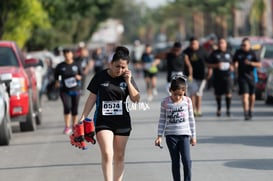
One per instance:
[(246, 62), (109, 90), (176, 62), (68, 75), (221, 62), (83, 60), (198, 58), (99, 59)]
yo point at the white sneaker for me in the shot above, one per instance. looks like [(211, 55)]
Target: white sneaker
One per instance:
[(155, 93), (149, 98)]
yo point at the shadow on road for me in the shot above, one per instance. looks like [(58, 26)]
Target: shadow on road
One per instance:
[(254, 164), (261, 141)]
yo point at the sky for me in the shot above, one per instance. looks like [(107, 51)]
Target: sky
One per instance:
[(153, 3)]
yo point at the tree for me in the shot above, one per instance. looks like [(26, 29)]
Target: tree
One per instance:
[(132, 16), (72, 21), (258, 17), (19, 17)]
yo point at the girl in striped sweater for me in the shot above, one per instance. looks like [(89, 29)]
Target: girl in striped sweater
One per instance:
[(177, 124)]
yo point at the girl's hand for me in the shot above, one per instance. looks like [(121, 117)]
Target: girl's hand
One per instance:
[(193, 141), (158, 142)]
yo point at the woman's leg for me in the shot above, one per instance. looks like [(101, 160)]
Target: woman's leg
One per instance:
[(172, 143), (198, 105), (193, 98), (75, 106), (119, 153), (153, 82), (67, 111), (228, 103), (105, 139), (218, 101)]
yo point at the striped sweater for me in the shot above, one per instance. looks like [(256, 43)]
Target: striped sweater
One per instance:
[(176, 118)]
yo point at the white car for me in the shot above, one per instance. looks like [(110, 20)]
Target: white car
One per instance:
[(5, 127), (41, 69)]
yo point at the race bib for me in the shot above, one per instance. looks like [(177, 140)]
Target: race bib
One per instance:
[(98, 63), (111, 108), (225, 66), (147, 66), (70, 82)]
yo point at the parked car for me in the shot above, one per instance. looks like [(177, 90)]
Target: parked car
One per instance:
[(5, 127), (266, 57), (25, 106), (45, 73), (268, 95)]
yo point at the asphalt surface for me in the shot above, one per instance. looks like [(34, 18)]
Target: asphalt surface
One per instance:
[(228, 149)]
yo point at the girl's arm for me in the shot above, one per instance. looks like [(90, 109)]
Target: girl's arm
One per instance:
[(89, 104), (161, 124), (192, 123)]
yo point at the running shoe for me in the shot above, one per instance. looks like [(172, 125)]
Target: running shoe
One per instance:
[(67, 131), (228, 114), (149, 98), (155, 93), (218, 113), (247, 118), (199, 114), (250, 115)]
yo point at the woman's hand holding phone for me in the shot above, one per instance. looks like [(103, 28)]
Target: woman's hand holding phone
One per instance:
[(127, 75)]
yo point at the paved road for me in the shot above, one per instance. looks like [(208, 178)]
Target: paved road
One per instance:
[(229, 149)]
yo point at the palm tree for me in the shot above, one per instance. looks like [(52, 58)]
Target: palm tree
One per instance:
[(257, 17)]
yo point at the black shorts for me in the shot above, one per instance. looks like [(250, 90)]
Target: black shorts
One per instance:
[(116, 131), (222, 86), (246, 87), (147, 74)]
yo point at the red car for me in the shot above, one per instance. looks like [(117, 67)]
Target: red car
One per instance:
[(24, 97)]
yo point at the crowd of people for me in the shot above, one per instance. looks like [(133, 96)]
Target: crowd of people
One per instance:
[(211, 64), (188, 73)]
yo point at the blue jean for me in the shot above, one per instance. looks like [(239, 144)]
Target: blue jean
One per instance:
[(179, 147)]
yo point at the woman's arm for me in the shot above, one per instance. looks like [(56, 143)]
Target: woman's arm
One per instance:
[(89, 104), (133, 92)]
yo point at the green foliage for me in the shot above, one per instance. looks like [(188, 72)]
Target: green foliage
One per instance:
[(72, 21), (22, 16), (132, 17), (177, 10), (39, 24), (256, 16)]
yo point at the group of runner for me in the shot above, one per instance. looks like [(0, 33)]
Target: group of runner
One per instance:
[(220, 65), (213, 63)]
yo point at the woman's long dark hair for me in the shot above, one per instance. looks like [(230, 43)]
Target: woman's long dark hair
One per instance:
[(121, 52)]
